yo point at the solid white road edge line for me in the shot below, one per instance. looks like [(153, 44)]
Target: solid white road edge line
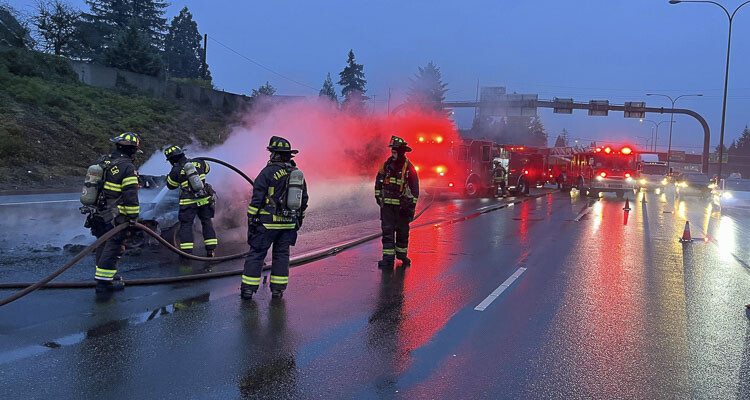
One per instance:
[(500, 289)]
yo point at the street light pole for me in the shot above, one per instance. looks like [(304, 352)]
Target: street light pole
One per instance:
[(656, 138), (726, 72), (671, 118)]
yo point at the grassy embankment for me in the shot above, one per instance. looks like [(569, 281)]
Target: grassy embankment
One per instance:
[(52, 127)]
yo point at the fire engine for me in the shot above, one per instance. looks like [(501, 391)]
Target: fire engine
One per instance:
[(601, 169), (460, 166), (526, 167)]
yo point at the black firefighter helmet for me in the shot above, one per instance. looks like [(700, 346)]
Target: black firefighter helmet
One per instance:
[(173, 153), (128, 139), (278, 144), (398, 143)]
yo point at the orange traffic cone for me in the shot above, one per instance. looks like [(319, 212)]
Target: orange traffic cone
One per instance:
[(686, 234), (627, 205)]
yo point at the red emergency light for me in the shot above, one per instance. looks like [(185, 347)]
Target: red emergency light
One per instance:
[(627, 175), (439, 139), (603, 174), (598, 150), (608, 150), (526, 172), (626, 150)]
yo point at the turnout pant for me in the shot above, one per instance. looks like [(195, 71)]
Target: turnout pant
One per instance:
[(395, 225), (187, 216), (260, 241), (109, 254)]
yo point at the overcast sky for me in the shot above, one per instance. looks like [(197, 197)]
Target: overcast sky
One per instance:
[(586, 49)]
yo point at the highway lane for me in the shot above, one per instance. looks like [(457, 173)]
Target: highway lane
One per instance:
[(602, 309)]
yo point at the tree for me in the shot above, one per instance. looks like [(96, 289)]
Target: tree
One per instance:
[(562, 139), (328, 90), (427, 89), (352, 78), (263, 91), (14, 31), (56, 24), (132, 52), (107, 19), (183, 52)]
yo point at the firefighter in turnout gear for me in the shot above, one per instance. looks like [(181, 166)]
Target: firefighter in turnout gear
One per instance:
[(499, 176), (275, 214), (117, 202), (396, 192), (196, 198)]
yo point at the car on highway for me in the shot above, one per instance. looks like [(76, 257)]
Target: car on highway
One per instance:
[(732, 194), (651, 175), (693, 184)]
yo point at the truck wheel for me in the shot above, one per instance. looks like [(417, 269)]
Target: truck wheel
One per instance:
[(525, 187), (473, 188)]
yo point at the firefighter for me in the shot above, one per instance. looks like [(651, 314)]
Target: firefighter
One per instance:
[(272, 220), (117, 203), (396, 192), (499, 176), (198, 200)]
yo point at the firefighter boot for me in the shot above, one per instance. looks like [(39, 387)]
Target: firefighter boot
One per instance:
[(405, 261), (247, 291), (277, 294), (115, 285), (386, 263), (210, 253)]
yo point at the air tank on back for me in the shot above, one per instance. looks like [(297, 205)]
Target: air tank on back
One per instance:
[(90, 192)]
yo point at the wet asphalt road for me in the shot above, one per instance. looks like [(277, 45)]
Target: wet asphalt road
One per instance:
[(584, 306)]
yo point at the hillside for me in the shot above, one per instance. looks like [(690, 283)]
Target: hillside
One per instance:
[(52, 127)]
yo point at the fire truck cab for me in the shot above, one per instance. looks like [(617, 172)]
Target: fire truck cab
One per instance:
[(603, 169), (526, 168), (457, 166)]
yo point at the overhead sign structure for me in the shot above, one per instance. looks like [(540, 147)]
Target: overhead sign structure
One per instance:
[(678, 156), (599, 108), (560, 108), (629, 105), (495, 103)]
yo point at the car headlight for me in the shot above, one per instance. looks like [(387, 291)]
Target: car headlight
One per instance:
[(628, 179), (727, 195), (683, 184), (642, 181), (712, 186), (599, 178), (664, 181)]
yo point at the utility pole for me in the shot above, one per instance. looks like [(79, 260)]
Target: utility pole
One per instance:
[(205, 46), (389, 102)]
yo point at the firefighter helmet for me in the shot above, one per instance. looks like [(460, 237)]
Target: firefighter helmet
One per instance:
[(128, 139), (280, 145), (496, 161), (397, 142), (173, 152)]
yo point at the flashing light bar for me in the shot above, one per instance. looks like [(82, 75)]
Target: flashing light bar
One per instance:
[(603, 174)]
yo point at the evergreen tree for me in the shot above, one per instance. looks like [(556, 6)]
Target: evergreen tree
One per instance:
[(56, 25), (132, 52), (183, 52), (14, 31), (427, 89), (328, 90), (107, 19), (263, 91), (352, 78)]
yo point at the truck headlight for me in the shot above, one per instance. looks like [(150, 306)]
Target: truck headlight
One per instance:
[(664, 181), (643, 181)]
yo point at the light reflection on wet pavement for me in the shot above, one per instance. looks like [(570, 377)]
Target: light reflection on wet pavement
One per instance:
[(604, 310)]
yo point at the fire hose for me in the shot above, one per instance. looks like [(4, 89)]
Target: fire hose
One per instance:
[(296, 261)]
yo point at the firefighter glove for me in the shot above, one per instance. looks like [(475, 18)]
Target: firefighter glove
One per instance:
[(379, 200)]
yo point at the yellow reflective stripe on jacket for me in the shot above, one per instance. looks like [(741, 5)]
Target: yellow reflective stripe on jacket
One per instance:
[(396, 181), (131, 180), (280, 226), (186, 246), (200, 202), (129, 210), (249, 280), (415, 200), (252, 210), (377, 193), (277, 218), (281, 280), (394, 202), (171, 182), (112, 186)]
